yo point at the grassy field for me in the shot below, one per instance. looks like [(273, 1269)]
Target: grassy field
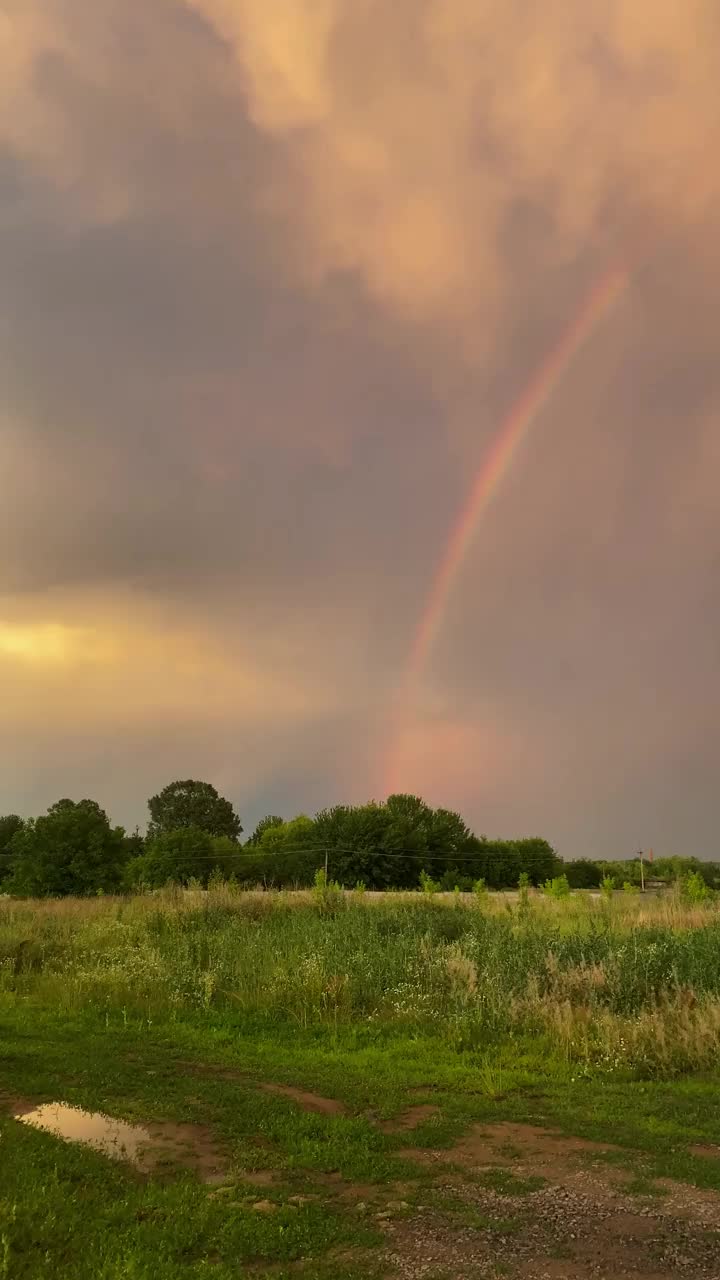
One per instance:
[(341, 1086)]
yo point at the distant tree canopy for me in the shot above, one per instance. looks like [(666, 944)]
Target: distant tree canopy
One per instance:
[(265, 824), (72, 849), (387, 845), (192, 804), (10, 825), (177, 857), (193, 836), (583, 874), (668, 870)]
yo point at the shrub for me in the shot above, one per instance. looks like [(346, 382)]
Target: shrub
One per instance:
[(558, 887), (327, 893), (694, 888), (427, 884)]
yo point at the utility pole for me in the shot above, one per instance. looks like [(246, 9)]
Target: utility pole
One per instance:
[(642, 872)]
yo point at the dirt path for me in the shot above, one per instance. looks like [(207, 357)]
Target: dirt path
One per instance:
[(486, 1215)]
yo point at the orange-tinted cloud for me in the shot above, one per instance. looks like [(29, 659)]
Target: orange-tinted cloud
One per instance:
[(414, 131), (94, 658)]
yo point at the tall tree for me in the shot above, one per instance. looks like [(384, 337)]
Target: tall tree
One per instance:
[(9, 827), (175, 857), (286, 854), (265, 824), (192, 804), (72, 849)]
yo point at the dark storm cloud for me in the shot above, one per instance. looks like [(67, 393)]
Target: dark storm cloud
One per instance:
[(186, 406)]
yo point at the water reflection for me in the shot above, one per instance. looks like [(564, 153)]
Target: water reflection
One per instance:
[(111, 1137), (155, 1148)]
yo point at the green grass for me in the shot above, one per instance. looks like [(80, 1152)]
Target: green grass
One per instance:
[(177, 1010), (92, 1218)]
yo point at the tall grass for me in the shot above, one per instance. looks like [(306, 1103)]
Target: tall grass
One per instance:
[(629, 985)]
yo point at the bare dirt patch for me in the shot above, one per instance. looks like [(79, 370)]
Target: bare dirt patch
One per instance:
[(13, 1104), (695, 1203), (189, 1146), (338, 1188), (582, 1225), (555, 1233), (706, 1150), (308, 1101), (410, 1119), (520, 1147)]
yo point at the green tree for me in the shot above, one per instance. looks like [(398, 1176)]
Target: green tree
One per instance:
[(388, 845), (286, 854), (583, 874), (10, 825), (376, 843), (175, 857), (538, 858), (134, 845), (72, 849), (265, 824), (195, 805)]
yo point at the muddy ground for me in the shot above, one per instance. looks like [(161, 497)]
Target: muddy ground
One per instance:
[(506, 1200)]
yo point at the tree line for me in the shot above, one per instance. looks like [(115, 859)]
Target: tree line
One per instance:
[(194, 834)]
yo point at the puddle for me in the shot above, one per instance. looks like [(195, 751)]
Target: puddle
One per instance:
[(111, 1137), (151, 1148)]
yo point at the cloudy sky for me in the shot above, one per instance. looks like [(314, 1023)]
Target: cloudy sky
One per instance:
[(274, 273)]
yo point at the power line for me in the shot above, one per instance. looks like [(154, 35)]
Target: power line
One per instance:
[(321, 850)]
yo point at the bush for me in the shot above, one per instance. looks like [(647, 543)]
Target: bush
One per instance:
[(694, 888), (558, 887), (427, 884)]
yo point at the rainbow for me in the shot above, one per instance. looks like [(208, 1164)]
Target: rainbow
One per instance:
[(495, 465)]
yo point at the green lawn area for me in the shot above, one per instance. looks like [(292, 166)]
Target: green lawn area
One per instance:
[(85, 1215)]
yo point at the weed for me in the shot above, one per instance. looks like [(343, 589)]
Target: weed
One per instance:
[(558, 887), (469, 1216), (427, 884), (694, 889), (506, 1183)]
